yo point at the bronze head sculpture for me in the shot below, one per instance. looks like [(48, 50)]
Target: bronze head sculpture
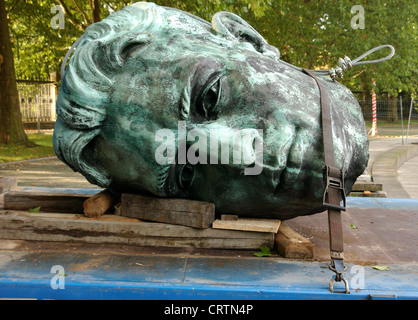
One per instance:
[(157, 101)]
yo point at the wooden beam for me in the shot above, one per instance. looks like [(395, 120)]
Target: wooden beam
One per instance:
[(248, 224), (77, 228), (367, 186), (230, 217), (49, 202), (292, 245), (99, 204), (197, 214)]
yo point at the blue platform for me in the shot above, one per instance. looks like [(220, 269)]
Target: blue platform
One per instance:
[(166, 277), (98, 274)]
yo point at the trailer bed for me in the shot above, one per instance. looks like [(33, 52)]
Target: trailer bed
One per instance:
[(380, 249)]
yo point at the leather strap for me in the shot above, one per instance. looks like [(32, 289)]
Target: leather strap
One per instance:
[(334, 187)]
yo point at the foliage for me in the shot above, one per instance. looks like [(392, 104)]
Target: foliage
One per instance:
[(381, 268), (311, 34), (35, 210), (264, 252), (40, 145)]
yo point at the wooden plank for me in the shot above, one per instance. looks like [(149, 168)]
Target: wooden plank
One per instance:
[(292, 245), (367, 186), (74, 216), (374, 194), (47, 227), (248, 224), (99, 204), (49, 202), (197, 214), (229, 217), (7, 183)]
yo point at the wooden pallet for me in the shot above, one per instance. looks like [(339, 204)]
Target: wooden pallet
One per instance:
[(111, 229), (143, 221)]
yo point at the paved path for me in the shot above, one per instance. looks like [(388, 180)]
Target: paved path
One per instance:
[(47, 172), (408, 174), (394, 165)]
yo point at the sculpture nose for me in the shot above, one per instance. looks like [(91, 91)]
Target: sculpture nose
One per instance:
[(237, 148)]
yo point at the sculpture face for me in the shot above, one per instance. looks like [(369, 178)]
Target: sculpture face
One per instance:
[(154, 89)]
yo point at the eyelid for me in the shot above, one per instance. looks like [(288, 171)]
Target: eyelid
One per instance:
[(217, 77)]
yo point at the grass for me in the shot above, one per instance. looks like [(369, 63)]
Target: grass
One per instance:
[(40, 145), (382, 123)]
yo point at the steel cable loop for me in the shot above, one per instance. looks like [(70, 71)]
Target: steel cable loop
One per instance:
[(357, 62), (344, 64), (347, 63)]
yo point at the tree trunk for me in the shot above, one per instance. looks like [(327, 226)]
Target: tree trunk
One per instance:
[(392, 113), (95, 10), (11, 126), (367, 107)]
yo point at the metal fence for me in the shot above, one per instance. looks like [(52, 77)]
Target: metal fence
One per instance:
[(37, 100), (394, 118)]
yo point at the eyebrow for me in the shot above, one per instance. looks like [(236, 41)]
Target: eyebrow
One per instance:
[(188, 95), (162, 179), (185, 100)]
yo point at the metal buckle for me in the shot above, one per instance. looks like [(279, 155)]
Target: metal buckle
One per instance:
[(334, 178), (337, 266), (331, 286)]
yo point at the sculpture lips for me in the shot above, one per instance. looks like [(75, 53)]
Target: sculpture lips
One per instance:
[(293, 174), (278, 175)]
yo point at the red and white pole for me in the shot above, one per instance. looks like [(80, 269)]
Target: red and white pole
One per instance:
[(373, 131)]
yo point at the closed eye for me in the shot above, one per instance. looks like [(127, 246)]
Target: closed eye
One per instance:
[(207, 103), (185, 176), (129, 49)]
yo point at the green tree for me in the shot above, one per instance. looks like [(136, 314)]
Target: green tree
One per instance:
[(11, 127), (311, 34)]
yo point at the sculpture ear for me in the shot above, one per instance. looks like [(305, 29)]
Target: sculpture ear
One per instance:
[(234, 27)]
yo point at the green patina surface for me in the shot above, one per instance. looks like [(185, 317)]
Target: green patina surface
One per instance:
[(147, 68)]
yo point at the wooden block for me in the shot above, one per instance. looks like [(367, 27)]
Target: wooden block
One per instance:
[(229, 217), (7, 183), (364, 178), (49, 202), (291, 244), (374, 194), (367, 186), (77, 228), (98, 204), (197, 214), (74, 216), (248, 224)]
